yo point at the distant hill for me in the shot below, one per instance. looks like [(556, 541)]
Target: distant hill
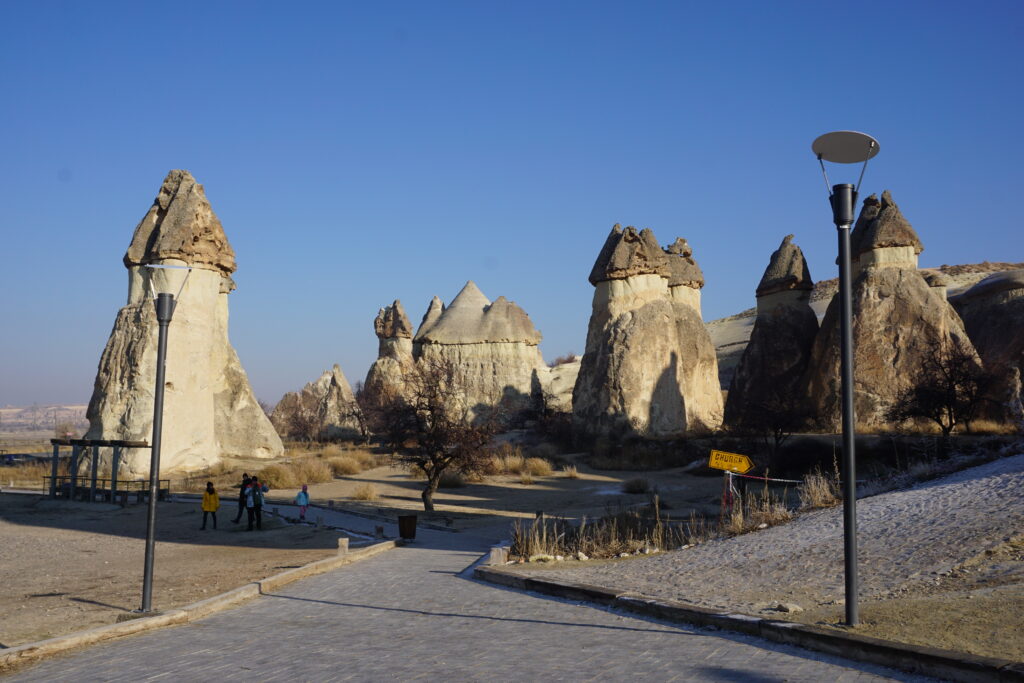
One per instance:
[(731, 334), (42, 418)]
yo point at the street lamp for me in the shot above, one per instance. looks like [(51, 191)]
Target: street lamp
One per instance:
[(165, 304), (846, 147)]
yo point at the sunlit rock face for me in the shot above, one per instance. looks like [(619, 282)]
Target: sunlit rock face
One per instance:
[(770, 373), (493, 347), (327, 405), (993, 314), (649, 367), (386, 377), (896, 316), (209, 408)]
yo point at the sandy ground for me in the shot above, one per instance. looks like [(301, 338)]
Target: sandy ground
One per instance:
[(941, 564), (67, 566)]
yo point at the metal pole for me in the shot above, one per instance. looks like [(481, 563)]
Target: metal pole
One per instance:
[(93, 471), (114, 461), (164, 311), (73, 471), (53, 471), (843, 198)]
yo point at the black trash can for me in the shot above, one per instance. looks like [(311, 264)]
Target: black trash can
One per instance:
[(407, 526)]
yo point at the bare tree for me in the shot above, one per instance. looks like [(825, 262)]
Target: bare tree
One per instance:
[(431, 424), (950, 389), (773, 418)]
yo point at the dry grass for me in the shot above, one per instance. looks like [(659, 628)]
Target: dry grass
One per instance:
[(525, 478), (538, 467), (344, 464), (637, 485), (819, 490), (758, 511), (366, 491), (28, 475), (287, 475), (569, 472), (513, 463)]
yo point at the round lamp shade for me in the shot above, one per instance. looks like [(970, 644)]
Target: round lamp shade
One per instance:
[(845, 147)]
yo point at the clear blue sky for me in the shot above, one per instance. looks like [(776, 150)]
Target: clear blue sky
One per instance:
[(362, 152)]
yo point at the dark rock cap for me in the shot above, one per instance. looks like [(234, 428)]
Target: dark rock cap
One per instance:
[(886, 228), (682, 268), (181, 225), (628, 252), (392, 322), (787, 269)]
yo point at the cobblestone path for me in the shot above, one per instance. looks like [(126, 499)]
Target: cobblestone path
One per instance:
[(411, 614)]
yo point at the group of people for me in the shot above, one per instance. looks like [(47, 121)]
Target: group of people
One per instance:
[(250, 499)]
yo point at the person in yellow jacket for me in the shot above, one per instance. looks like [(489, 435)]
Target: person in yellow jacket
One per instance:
[(211, 503)]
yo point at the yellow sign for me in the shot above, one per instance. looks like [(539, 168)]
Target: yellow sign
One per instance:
[(734, 462)]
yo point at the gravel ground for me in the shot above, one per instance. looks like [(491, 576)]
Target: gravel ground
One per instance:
[(910, 541)]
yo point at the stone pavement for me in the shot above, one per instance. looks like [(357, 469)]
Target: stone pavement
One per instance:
[(412, 614)]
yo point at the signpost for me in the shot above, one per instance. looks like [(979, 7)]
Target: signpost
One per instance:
[(731, 462)]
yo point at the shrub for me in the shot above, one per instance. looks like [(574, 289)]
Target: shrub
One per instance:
[(514, 463), (570, 472), (345, 464), (365, 491), (278, 476), (452, 480), (525, 478), (818, 490), (637, 485), (492, 465), (332, 451), (538, 467), (312, 471)]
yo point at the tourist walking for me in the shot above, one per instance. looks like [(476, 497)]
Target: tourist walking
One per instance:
[(242, 491), (302, 500), (254, 502), (211, 503)]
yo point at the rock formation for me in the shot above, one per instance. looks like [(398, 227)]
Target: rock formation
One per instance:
[(993, 315), (493, 346), (325, 409), (897, 315), (394, 355), (769, 377), (649, 366), (209, 408)]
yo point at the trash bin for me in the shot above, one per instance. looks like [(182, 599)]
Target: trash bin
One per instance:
[(407, 526)]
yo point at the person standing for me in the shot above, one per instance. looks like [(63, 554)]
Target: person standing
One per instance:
[(211, 503), (254, 502), (242, 491), (302, 500)]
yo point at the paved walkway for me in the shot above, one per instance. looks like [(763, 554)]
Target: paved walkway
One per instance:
[(412, 614)]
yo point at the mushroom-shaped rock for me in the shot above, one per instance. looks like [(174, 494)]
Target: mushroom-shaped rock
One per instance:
[(768, 384), (391, 322), (886, 238), (208, 401), (650, 367), (629, 252), (505, 321), (182, 226), (786, 270)]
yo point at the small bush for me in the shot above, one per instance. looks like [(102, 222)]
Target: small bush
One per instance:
[(344, 465), (818, 490), (312, 471), (525, 478), (332, 451), (570, 472), (452, 480), (278, 476), (538, 467), (492, 465), (366, 491), (637, 485), (514, 463)]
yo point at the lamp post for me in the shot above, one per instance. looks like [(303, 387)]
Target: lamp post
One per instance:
[(164, 311), (846, 147)]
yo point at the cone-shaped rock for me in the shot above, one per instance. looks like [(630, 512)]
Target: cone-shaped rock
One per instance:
[(768, 385), (896, 316), (649, 367), (386, 377), (325, 409), (993, 314), (494, 347), (209, 408)]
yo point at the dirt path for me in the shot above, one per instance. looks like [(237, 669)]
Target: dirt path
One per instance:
[(70, 566)]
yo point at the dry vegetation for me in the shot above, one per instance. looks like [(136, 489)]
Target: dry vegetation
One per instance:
[(366, 492)]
